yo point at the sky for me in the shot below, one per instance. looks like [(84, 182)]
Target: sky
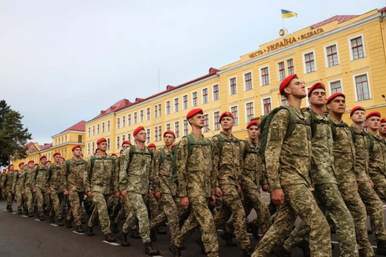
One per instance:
[(65, 61)]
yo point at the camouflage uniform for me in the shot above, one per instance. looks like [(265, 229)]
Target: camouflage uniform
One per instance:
[(3, 177), (9, 187), (166, 184), (100, 181), (252, 174), (75, 170), (29, 183), (377, 165), (326, 189), (288, 162), (196, 179), (19, 189), (135, 177), (41, 176), (344, 159), (56, 185)]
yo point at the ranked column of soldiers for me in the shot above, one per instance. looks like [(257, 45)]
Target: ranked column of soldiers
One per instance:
[(327, 175)]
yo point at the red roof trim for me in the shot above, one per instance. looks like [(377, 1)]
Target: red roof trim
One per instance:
[(338, 18)]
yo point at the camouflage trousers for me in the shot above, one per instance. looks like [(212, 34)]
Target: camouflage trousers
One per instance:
[(41, 199), (19, 199), (9, 197), (76, 199), (350, 194), (379, 181), (136, 208), (56, 203), (171, 212), (299, 201), (100, 210), (233, 206), (153, 205), (374, 207), (331, 202), (29, 199), (200, 216)]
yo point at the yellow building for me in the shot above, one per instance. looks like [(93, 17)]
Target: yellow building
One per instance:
[(346, 52)]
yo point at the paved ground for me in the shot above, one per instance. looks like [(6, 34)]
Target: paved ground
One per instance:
[(25, 237)]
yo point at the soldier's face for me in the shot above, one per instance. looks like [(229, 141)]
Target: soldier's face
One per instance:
[(58, 159), (77, 152), (43, 161), (318, 97), (253, 132), (124, 146), (198, 120), (102, 146), (296, 88), (141, 136), (227, 123), (169, 139), (338, 105), (373, 123), (382, 128), (31, 165), (358, 116)]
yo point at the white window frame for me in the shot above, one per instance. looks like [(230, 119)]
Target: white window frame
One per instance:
[(350, 46), (229, 85), (262, 103), (244, 84), (245, 110), (207, 95), (218, 87), (334, 80), (304, 61), (198, 102), (238, 113), (214, 121), (325, 54), (285, 69), (260, 77), (368, 83)]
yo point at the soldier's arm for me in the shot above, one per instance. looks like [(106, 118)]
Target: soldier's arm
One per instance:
[(66, 172), (276, 134), (87, 176), (215, 156), (243, 144), (181, 162), (123, 179), (155, 173)]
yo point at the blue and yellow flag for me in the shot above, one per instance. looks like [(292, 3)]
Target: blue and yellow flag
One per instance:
[(288, 14)]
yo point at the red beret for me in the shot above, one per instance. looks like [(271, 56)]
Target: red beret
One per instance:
[(335, 95), (127, 142), (31, 161), (371, 114), (253, 122), (101, 140), (317, 85), (55, 154), (43, 156), (285, 82), (226, 114), (170, 133), (21, 164), (137, 130), (75, 147), (151, 146), (194, 112), (114, 155), (383, 120), (356, 108)]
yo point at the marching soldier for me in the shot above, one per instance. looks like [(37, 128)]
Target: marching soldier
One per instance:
[(344, 159), (29, 183), (56, 185), (288, 162), (9, 186), (19, 188), (382, 130), (40, 186)]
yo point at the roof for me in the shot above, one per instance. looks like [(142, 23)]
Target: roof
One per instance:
[(115, 107), (45, 146), (338, 18), (80, 126)]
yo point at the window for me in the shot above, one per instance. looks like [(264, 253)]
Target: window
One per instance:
[(93, 147), (186, 124), (248, 81), (123, 121), (309, 62), (103, 127), (79, 138), (156, 111), (118, 124), (176, 104), (108, 143), (216, 95), (177, 129), (335, 86), (234, 111), (357, 51), (362, 87), (129, 120), (232, 86), (185, 101), (216, 117), (205, 96), (206, 123), (290, 66), (123, 138), (281, 70), (159, 110), (93, 130), (168, 107), (89, 131), (135, 118), (167, 126), (264, 76), (118, 142), (194, 98), (141, 114), (156, 133), (129, 137), (98, 130), (108, 126), (249, 111), (266, 105), (88, 148), (332, 55), (147, 136), (148, 114), (160, 133)]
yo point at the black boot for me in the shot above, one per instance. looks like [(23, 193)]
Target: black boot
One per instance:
[(90, 231), (41, 217), (228, 239), (280, 251), (114, 227), (247, 252), (124, 239), (109, 238), (153, 235), (79, 229), (19, 212), (30, 214), (68, 223), (176, 251), (381, 247), (134, 234), (149, 250), (59, 222)]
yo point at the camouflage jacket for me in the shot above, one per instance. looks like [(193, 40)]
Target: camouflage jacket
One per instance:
[(75, 171), (41, 176), (195, 173), (227, 158), (3, 177), (19, 181), (100, 175), (322, 165), (29, 181), (377, 162), (253, 169), (361, 143), (165, 174), (10, 181), (56, 177), (288, 160), (344, 152), (136, 174)]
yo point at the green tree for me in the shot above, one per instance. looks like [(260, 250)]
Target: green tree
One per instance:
[(13, 136)]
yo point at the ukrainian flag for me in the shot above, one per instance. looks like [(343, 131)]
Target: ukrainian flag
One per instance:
[(288, 14)]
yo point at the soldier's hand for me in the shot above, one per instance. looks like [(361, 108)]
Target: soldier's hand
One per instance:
[(371, 183), (265, 188), (89, 194), (217, 192), (157, 195), (65, 192), (277, 196), (124, 192), (117, 194), (184, 202)]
